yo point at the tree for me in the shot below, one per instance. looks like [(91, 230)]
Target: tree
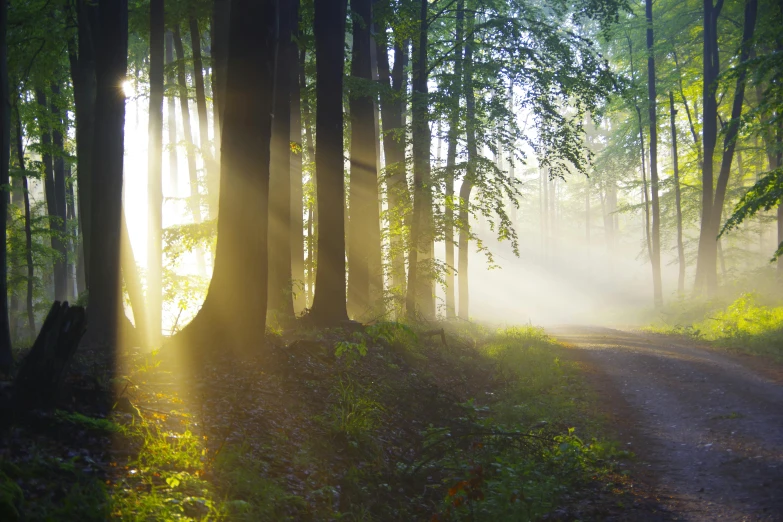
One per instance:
[(364, 247), (155, 171), (111, 62), (329, 305), (234, 310), (281, 302), (655, 259), (6, 357)]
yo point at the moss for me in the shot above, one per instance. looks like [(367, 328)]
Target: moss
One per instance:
[(11, 499)]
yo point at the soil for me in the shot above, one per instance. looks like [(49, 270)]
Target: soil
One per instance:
[(706, 427)]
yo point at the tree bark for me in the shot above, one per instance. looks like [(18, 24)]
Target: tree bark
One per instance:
[(677, 199), (155, 173), (419, 299), (364, 224), (470, 175), (330, 293), (6, 356), (213, 181), (221, 13), (234, 312), (28, 232), (281, 302), (44, 117), (297, 181), (451, 160), (645, 194), (655, 260), (111, 66), (60, 218), (398, 197), (172, 116)]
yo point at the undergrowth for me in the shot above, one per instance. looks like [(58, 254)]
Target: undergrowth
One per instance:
[(376, 424), (746, 325)]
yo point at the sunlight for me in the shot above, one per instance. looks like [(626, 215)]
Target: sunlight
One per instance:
[(127, 89)]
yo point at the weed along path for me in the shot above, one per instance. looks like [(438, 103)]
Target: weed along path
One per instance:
[(707, 431)]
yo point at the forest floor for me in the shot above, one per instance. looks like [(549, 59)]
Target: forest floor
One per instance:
[(706, 426), (377, 424)]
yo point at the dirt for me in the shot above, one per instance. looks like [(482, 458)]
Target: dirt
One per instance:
[(706, 428)]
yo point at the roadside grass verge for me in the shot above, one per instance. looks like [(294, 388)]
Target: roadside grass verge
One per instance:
[(377, 424), (747, 325)]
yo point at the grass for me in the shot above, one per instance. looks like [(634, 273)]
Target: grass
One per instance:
[(494, 426), (746, 325)]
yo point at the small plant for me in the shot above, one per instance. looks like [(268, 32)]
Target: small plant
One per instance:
[(353, 413)]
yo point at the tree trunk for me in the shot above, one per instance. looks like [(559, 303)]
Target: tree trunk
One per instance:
[(470, 174), (84, 85), (213, 181), (28, 232), (221, 11), (45, 143), (172, 116), (60, 218), (330, 293), (398, 197), (281, 302), (155, 174), (645, 194), (420, 290), (234, 311), (110, 64), (364, 248), (451, 160), (6, 356), (677, 200), (655, 260), (297, 181)]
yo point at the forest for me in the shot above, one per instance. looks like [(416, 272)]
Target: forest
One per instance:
[(391, 260)]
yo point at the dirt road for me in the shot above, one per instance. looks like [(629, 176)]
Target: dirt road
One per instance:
[(707, 431)]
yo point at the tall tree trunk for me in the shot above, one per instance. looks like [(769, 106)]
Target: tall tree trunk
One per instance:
[(172, 115), (234, 311), (470, 174), (155, 174), (655, 260), (59, 224), (281, 302), (28, 232), (190, 149), (213, 181), (82, 63), (645, 193), (398, 197), (6, 356), (677, 200), (297, 181), (111, 65), (419, 295), (221, 14), (330, 293), (44, 118), (364, 251), (451, 160)]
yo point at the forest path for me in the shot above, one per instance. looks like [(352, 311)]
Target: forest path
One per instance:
[(707, 430)]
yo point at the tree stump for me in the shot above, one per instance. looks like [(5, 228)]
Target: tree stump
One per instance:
[(41, 373)]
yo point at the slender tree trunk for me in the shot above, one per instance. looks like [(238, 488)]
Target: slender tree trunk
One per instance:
[(221, 13), (330, 293), (470, 174), (281, 302), (6, 356), (655, 260), (213, 182), (451, 160), (645, 194), (364, 223), (234, 311), (172, 115), (28, 232), (419, 295), (398, 197), (45, 145), (155, 174), (111, 63), (677, 199), (190, 149), (297, 181), (60, 217)]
